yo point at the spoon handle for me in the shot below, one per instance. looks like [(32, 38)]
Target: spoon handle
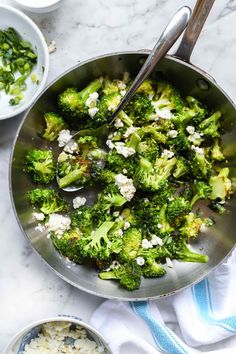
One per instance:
[(169, 36)]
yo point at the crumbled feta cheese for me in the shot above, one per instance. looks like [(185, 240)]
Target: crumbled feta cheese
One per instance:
[(126, 225), (39, 216), (40, 228), (92, 111), (163, 113), (118, 123), (119, 233), (123, 93), (64, 137), (58, 223), (110, 144), (71, 147), (203, 228), (92, 100), (195, 138), (140, 261), (169, 262), (167, 153), (52, 47), (172, 133), (124, 170), (190, 129), (156, 241), (159, 226), (116, 214), (125, 186), (146, 244), (198, 150), (78, 202), (124, 150), (129, 131)]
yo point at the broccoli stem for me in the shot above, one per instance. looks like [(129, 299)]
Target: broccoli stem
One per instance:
[(107, 275), (73, 176), (186, 255), (92, 87)]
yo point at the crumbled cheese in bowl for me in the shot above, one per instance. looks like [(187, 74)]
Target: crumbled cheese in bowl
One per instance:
[(64, 137), (125, 186), (62, 338), (58, 223), (78, 202)]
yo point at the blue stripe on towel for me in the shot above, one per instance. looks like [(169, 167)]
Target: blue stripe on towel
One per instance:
[(163, 336), (202, 298)]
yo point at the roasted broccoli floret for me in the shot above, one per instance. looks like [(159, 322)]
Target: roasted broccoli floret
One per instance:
[(202, 191), (109, 197), (200, 166), (198, 111), (131, 241), (97, 244), (54, 124), (191, 227), (73, 104), (168, 97), (114, 161), (105, 106), (74, 169), (147, 87), (179, 249), (177, 209), (68, 245), (110, 86), (153, 270), (83, 219), (129, 275), (211, 125), (151, 177), (165, 227), (140, 108), (149, 149), (40, 165), (221, 185), (47, 200), (182, 168)]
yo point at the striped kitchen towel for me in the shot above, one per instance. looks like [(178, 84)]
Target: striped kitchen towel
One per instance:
[(200, 319)]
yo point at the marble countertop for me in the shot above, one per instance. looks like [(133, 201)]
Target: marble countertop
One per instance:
[(82, 29)]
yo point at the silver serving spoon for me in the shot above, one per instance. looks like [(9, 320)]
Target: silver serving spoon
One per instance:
[(169, 36)]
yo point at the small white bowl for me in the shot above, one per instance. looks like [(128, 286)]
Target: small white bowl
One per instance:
[(39, 6), (10, 17), (23, 337)]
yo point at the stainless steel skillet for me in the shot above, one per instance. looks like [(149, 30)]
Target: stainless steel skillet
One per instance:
[(217, 243)]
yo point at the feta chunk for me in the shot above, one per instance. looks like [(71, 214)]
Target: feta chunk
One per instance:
[(190, 129), (121, 85), (198, 150), (126, 225), (58, 223), (146, 244), (125, 186), (124, 150), (163, 113), (167, 153), (119, 233), (110, 144), (140, 261), (78, 202), (172, 133), (52, 47), (195, 138), (118, 123), (156, 241), (71, 147), (116, 214), (92, 100), (123, 93), (92, 111), (39, 216), (129, 131), (64, 137)]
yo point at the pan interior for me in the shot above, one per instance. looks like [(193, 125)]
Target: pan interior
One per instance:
[(217, 242)]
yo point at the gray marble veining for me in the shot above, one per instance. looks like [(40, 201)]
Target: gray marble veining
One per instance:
[(82, 29)]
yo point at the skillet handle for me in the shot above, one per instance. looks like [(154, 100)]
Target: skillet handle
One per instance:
[(191, 34)]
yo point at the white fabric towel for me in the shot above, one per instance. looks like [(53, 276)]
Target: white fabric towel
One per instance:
[(198, 319)]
